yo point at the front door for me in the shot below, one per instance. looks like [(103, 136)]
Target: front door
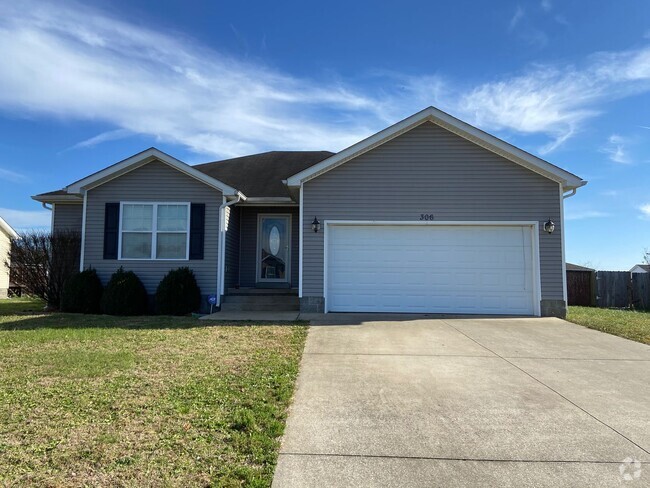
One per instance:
[(273, 248)]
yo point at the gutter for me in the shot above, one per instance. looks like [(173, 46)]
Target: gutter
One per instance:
[(570, 194), (222, 243)]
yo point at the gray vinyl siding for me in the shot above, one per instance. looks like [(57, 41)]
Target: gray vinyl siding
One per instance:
[(231, 277), (154, 182), (67, 217), (431, 170), (248, 242)]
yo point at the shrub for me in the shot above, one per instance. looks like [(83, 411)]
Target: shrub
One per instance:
[(178, 293), (82, 292), (41, 262), (124, 295)]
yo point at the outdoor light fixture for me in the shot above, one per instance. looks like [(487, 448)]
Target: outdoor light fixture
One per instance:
[(549, 226), (315, 225)]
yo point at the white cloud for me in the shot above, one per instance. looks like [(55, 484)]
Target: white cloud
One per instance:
[(516, 17), (557, 100), (546, 5), (26, 219), (645, 211), (11, 176), (585, 214), (111, 135), (617, 150), (71, 61), (610, 193)]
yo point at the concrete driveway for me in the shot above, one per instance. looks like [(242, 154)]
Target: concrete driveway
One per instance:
[(467, 402)]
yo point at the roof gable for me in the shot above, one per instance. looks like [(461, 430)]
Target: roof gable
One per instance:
[(568, 180), (140, 159)]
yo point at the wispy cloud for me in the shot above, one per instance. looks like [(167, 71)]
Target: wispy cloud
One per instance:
[(111, 135), (12, 176), (557, 100), (610, 193), (516, 17), (616, 148), (585, 214), (645, 211), (71, 61), (26, 219), (546, 5)]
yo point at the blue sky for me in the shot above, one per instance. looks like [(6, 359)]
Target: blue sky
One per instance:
[(85, 85)]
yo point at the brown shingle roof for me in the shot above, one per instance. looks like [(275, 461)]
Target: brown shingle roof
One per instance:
[(261, 175)]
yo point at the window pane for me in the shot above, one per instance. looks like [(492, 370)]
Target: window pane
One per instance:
[(171, 246), (136, 245), (137, 217), (172, 218)]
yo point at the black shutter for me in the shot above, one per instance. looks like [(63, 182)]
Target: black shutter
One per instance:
[(197, 230), (111, 230)]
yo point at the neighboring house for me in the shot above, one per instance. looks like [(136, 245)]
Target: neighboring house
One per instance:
[(6, 234), (576, 267), (640, 268), (428, 215)]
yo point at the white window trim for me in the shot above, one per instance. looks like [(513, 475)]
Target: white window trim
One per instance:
[(154, 232)]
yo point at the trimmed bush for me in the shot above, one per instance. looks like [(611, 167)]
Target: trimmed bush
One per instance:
[(82, 293), (178, 293), (124, 295)]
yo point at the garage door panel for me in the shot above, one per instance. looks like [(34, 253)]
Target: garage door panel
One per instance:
[(444, 269)]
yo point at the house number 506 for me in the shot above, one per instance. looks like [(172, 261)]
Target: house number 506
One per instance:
[(426, 216)]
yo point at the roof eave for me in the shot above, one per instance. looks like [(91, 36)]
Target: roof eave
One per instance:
[(69, 198), (9, 230)]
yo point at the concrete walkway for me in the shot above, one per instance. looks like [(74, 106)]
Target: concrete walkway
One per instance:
[(467, 402)]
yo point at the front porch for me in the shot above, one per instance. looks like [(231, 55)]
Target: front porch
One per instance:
[(261, 257)]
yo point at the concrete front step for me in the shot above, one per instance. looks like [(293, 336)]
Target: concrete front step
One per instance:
[(258, 307), (242, 303), (270, 299), (262, 292)]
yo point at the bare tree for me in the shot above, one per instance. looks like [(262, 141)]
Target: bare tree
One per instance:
[(40, 262)]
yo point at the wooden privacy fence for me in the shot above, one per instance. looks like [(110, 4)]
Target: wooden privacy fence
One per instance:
[(621, 289), (581, 288)]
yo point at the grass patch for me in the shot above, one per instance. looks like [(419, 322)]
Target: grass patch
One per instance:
[(630, 324), (141, 401), (17, 306)]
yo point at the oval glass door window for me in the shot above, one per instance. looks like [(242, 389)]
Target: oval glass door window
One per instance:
[(274, 240)]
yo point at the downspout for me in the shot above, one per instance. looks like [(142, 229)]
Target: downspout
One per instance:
[(222, 245), (83, 232), (564, 195)]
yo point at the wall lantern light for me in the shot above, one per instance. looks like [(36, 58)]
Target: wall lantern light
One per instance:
[(315, 225), (549, 226)]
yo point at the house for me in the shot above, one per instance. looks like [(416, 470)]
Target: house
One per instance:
[(6, 234), (576, 267), (428, 215), (640, 268)]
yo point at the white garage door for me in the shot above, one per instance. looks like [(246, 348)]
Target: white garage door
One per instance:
[(430, 268)]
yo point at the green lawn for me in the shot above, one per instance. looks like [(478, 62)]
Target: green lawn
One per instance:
[(145, 401), (625, 323)]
